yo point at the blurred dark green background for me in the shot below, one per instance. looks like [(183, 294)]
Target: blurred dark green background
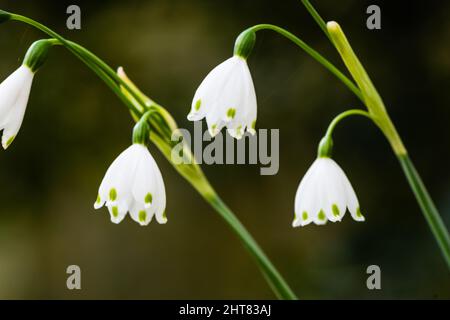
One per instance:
[(74, 127)]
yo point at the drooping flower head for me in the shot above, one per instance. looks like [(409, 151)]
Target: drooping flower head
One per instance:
[(15, 90), (133, 183), (226, 97), (325, 194), (14, 93)]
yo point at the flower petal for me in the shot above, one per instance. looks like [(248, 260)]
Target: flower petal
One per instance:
[(140, 214), (14, 93), (120, 174)]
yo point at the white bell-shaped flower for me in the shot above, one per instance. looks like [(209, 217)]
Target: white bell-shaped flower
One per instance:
[(133, 183), (324, 194), (226, 97), (14, 93)]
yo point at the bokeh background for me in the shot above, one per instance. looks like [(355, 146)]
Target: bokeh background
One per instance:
[(74, 127)]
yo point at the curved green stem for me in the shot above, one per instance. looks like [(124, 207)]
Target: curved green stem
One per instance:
[(273, 277), (78, 50), (91, 64), (343, 115), (113, 86), (380, 116), (316, 16), (313, 53), (325, 147), (195, 177)]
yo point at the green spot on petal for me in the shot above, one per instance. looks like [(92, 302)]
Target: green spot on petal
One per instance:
[(10, 140), (358, 213), (142, 215), (164, 215), (115, 211), (335, 210), (253, 126), (231, 113), (98, 199), (148, 198), (321, 215), (198, 104), (113, 194), (304, 215)]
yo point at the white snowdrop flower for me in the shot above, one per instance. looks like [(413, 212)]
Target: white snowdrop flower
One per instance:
[(324, 194), (227, 98), (15, 90), (133, 183), (14, 93)]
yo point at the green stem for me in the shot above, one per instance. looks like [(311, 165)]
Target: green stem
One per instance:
[(429, 210), (107, 74), (379, 114), (79, 51), (325, 147), (313, 53), (343, 115), (113, 86), (273, 277), (316, 16)]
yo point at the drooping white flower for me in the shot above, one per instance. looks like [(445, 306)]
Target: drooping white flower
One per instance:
[(324, 194), (133, 183), (226, 97), (14, 93)]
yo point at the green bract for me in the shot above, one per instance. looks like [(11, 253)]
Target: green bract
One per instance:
[(37, 53), (325, 148), (244, 43)]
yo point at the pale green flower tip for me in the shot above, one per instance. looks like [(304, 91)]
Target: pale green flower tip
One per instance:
[(98, 202), (142, 216), (252, 128), (213, 130), (333, 27), (300, 221), (359, 216), (115, 211), (6, 142), (236, 133), (164, 218)]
